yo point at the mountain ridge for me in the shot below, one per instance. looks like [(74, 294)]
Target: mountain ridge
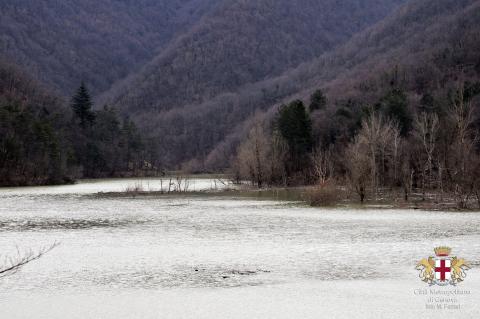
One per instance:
[(202, 122), (239, 43), (98, 42), (293, 84)]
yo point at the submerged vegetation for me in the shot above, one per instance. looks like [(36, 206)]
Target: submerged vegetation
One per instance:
[(391, 149)]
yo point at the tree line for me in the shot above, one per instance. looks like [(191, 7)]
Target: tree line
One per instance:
[(44, 142), (391, 146)]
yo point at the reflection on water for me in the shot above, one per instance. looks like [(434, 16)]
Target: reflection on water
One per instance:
[(110, 244)]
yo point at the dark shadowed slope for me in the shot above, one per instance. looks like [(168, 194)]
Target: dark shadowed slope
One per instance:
[(64, 42), (243, 42), (426, 38), (32, 143), (44, 141)]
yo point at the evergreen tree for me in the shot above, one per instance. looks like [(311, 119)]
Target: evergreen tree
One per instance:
[(318, 101), (471, 90), (427, 103), (295, 126), (82, 106), (395, 106)]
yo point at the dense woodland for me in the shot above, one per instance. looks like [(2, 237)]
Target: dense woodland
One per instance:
[(274, 92), (170, 55), (47, 141), (388, 146), (402, 120), (424, 41)]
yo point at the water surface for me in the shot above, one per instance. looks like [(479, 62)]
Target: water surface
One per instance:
[(194, 256)]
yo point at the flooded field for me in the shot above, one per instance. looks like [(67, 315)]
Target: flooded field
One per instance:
[(208, 256)]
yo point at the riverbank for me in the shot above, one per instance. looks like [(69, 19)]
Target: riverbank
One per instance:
[(332, 196), (432, 200), (338, 197)]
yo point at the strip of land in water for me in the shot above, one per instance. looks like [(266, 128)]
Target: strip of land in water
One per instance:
[(394, 199)]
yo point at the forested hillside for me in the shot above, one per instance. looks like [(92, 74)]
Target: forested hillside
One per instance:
[(243, 42), (44, 141), (396, 111), (197, 75), (424, 42), (65, 42)]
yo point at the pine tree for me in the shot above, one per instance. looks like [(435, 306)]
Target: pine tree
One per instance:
[(395, 106), (295, 127), (318, 101), (82, 106)]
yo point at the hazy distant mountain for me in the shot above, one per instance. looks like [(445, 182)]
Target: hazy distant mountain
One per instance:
[(421, 47), (425, 40), (242, 42), (64, 42)]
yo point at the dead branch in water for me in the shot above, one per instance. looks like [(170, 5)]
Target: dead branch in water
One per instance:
[(11, 264)]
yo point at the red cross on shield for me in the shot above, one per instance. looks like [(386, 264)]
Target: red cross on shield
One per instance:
[(443, 269)]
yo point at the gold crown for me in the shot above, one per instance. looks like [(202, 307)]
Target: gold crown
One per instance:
[(442, 251)]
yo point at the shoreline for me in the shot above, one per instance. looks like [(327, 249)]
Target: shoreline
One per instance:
[(331, 196), (300, 194)]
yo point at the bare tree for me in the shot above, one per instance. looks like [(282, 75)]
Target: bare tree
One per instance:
[(278, 156), (426, 127), (11, 264), (358, 166), (462, 151), (181, 183), (322, 164), (406, 169), (378, 135), (476, 179), (388, 148), (253, 154)]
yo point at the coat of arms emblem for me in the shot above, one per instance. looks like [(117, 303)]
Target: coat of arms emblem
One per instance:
[(442, 269)]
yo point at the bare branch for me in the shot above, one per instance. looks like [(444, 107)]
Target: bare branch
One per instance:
[(12, 264)]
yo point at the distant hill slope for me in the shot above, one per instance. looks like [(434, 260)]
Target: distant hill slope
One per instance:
[(210, 65), (64, 42), (243, 42), (425, 39)]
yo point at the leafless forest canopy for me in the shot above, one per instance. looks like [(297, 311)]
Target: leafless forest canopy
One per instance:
[(62, 43), (227, 86)]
